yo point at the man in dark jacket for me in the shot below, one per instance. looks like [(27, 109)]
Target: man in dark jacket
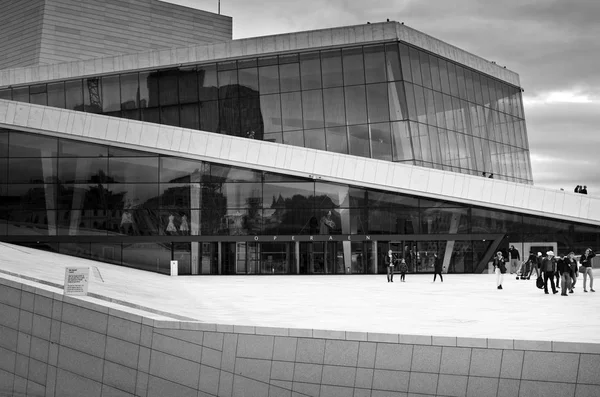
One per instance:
[(564, 270), (437, 268), (515, 259), (548, 270)]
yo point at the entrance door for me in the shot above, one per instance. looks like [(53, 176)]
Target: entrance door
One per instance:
[(321, 257), (247, 258), (208, 255)]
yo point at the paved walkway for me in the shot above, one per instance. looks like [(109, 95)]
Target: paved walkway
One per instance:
[(464, 305)]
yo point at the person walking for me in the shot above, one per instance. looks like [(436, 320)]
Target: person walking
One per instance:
[(548, 269), (403, 267), (499, 268), (564, 269), (513, 255), (572, 262), (389, 262), (533, 265), (437, 268), (586, 262)]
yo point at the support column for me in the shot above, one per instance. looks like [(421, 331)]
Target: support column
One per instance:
[(49, 171), (297, 256), (374, 258)]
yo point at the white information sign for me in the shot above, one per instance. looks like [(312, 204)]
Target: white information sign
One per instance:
[(77, 280), (174, 268)]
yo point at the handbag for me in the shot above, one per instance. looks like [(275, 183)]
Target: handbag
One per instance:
[(539, 282), (582, 269), (502, 268)]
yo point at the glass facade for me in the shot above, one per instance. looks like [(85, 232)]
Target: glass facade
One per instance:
[(141, 210), (387, 101)]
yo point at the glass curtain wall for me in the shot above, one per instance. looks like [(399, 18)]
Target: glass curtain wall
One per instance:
[(385, 101), (141, 209)]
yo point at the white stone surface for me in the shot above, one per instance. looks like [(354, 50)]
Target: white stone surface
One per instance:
[(463, 306)]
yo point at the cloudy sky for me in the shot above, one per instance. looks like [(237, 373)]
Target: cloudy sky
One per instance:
[(554, 45)]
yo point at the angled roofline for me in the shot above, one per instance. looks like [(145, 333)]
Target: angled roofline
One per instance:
[(256, 46), (304, 162)]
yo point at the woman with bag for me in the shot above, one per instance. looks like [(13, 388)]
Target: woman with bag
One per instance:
[(586, 264), (570, 259), (499, 269)]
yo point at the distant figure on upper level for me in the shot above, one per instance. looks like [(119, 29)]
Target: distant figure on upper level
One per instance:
[(583, 190), (577, 189)]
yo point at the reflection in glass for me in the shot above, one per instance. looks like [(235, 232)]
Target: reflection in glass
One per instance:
[(337, 139), (291, 110), (356, 105), (207, 83), (358, 139), (312, 108), (310, 70), (294, 138), (270, 106), (377, 100), (38, 94), (268, 79), (353, 66), (129, 84), (111, 99), (315, 139), (331, 67), (381, 144), (289, 77)]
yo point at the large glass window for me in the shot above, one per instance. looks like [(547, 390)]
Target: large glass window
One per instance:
[(375, 63), (291, 110), (312, 109), (335, 113), (356, 104), (111, 95), (331, 67), (289, 76), (377, 101), (310, 70), (381, 143), (358, 139), (353, 66), (188, 85)]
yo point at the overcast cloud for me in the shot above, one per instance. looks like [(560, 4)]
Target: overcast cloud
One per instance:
[(553, 45)]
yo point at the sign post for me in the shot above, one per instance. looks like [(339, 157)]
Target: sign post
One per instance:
[(174, 268), (76, 280)]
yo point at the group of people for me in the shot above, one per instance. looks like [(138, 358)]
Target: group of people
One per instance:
[(391, 262), (580, 189), (565, 269)]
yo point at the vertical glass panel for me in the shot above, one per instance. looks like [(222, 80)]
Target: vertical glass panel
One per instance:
[(189, 116), (169, 115), (333, 101), (268, 79), (289, 77), (3, 143), (426, 146), (229, 116), (228, 84), (440, 115), (462, 88), (485, 90), (37, 94), (452, 78), (315, 139), (415, 65), (421, 109), (358, 138), (470, 85), (207, 83), (130, 87), (133, 169), (295, 138), (337, 139), (68, 148), (331, 66), (377, 101), (151, 115), (381, 142), (477, 88), (430, 107), (405, 61), (74, 95), (6, 93), (436, 83), (425, 69), (291, 111), (310, 70), (248, 82), (410, 101), (270, 106), (356, 104), (148, 89), (397, 101), (209, 116), (312, 109), (444, 80), (111, 94), (168, 87), (174, 169), (392, 62), (34, 170), (401, 146), (251, 118), (436, 156), (453, 154), (416, 140), (188, 85), (375, 63), (20, 94), (275, 137), (354, 71), (22, 144), (448, 112), (459, 120)]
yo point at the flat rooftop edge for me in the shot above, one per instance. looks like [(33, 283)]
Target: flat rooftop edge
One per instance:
[(425, 340), (256, 46)]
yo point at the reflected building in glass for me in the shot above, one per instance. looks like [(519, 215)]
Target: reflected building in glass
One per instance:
[(369, 95)]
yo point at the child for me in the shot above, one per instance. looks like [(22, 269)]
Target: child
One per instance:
[(403, 269)]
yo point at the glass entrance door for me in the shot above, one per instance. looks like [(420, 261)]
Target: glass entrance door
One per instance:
[(321, 257)]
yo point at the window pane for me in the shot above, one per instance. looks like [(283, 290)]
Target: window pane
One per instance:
[(358, 139), (189, 116), (111, 98), (460, 77), (401, 146), (270, 106), (174, 169), (335, 113), (56, 95), (440, 115), (34, 170), (207, 83), (354, 71), (151, 115), (188, 85), (469, 85), (315, 139), (22, 144), (430, 107), (310, 70), (295, 138), (436, 83), (377, 100), (209, 116), (331, 65), (229, 116), (168, 87), (248, 81), (68, 148), (415, 65), (169, 115), (291, 111), (289, 77), (410, 101), (133, 169), (405, 61), (392, 62), (425, 69), (268, 78), (74, 95), (20, 94), (37, 95), (337, 139), (397, 101), (148, 89), (375, 63), (416, 140), (129, 91), (420, 104), (228, 84), (251, 118), (6, 93), (381, 142), (452, 79), (82, 170), (356, 104), (312, 108)]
